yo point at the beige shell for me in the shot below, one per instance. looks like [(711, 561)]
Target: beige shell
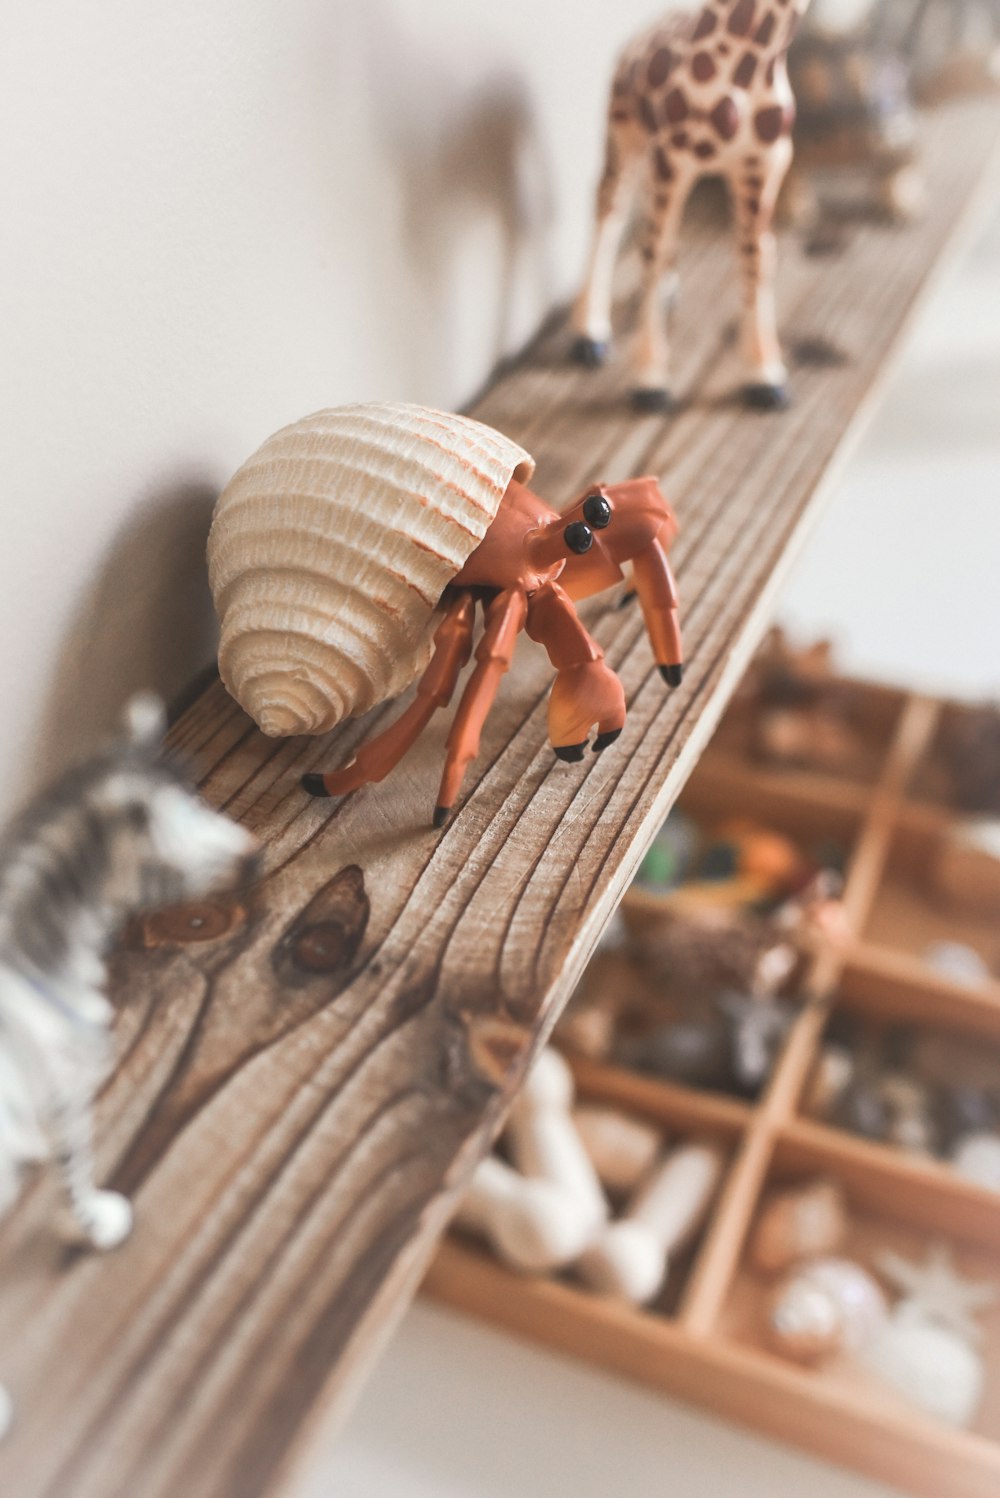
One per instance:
[(330, 549)]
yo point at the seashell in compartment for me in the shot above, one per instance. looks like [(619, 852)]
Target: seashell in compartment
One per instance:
[(622, 1149), (330, 549), (825, 1306), (795, 1224), (804, 1322)]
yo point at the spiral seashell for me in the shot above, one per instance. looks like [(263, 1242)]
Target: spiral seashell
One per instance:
[(330, 549)]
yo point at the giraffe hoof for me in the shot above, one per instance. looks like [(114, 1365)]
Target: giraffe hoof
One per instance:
[(571, 753), (604, 739), (590, 352), (651, 398), (765, 397), (315, 785), (672, 675), (441, 815)]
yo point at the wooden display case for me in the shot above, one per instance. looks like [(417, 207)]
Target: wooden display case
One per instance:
[(907, 883)]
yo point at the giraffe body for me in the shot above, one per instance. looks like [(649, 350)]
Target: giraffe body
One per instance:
[(705, 92)]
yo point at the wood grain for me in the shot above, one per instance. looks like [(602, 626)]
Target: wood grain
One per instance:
[(307, 1076)]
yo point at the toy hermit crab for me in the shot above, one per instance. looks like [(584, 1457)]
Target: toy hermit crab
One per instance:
[(348, 556)]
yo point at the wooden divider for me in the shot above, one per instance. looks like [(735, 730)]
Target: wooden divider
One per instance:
[(712, 1276)]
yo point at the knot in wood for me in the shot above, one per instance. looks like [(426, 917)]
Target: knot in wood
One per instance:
[(324, 946), (202, 921)]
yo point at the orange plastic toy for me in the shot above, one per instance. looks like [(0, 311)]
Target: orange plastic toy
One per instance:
[(531, 566)]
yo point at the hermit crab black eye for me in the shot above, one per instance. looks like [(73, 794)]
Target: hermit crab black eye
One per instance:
[(596, 511), (578, 537)]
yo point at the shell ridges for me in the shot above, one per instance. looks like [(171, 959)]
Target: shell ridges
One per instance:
[(331, 546)]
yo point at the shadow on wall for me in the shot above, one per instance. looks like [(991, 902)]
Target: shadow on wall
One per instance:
[(461, 140), (146, 621)]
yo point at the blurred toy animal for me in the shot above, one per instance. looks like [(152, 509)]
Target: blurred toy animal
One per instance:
[(120, 833), (704, 950), (703, 92), (950, 46), (854, 112)]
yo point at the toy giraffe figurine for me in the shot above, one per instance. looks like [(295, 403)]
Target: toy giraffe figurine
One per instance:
[(705, 92)]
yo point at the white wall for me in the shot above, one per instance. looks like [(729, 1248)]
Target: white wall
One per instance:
[(217, 216), (903, 568)]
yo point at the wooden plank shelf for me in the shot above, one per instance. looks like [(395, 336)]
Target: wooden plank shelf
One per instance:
[(306, 1078)]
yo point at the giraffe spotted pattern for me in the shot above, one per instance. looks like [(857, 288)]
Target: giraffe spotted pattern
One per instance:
[(705, 91)]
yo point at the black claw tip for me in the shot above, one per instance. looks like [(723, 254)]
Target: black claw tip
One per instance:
[(626, 598), (590, 352), (604, 739), (571, 753), (672, 675), (315, 785), (650, 399), (441, 815), (765, 397)]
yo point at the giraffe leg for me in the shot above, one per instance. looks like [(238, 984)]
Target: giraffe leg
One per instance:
[(505, 618), (452, 648), (591, 319), (651, 358), (755, 185)]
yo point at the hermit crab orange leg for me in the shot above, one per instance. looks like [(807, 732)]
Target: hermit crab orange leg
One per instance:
[(452, 648), (585, 690), (654, 582), (505, 618)]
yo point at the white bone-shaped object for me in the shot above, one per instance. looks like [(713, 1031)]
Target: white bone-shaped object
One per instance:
[(531, 1224), (545, 1143), (629, 1258)]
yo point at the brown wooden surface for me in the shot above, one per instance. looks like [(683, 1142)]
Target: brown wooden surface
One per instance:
[(307, 1078)]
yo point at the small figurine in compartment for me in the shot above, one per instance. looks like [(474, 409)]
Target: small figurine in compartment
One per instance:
[(928, 1348), (928, 1092), (349, 556), (704, 92), (721, 970), (692, 991), (971, 754), (854, 115), (800, 711)]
